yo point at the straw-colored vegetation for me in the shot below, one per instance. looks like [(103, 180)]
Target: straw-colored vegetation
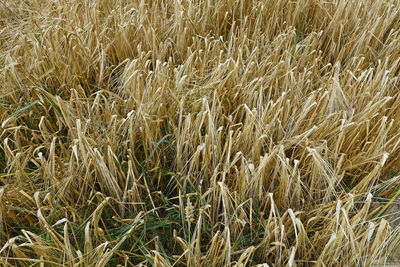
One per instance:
[(199, 132)]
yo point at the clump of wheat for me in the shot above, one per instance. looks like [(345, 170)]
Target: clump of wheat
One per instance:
[(196, 133)]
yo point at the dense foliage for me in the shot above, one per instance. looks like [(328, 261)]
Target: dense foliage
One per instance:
[(199, 132)]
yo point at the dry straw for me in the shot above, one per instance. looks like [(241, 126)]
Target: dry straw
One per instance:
[(199, 133)]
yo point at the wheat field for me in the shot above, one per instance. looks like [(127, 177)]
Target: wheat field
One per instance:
[(199, 132)]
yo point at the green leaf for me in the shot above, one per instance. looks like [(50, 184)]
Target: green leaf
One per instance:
[(23, 109), (157, 145)]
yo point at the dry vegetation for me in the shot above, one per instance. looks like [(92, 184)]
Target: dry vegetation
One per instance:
[(199, 133)]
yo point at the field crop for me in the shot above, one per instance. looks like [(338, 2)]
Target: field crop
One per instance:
[(199, 132)]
